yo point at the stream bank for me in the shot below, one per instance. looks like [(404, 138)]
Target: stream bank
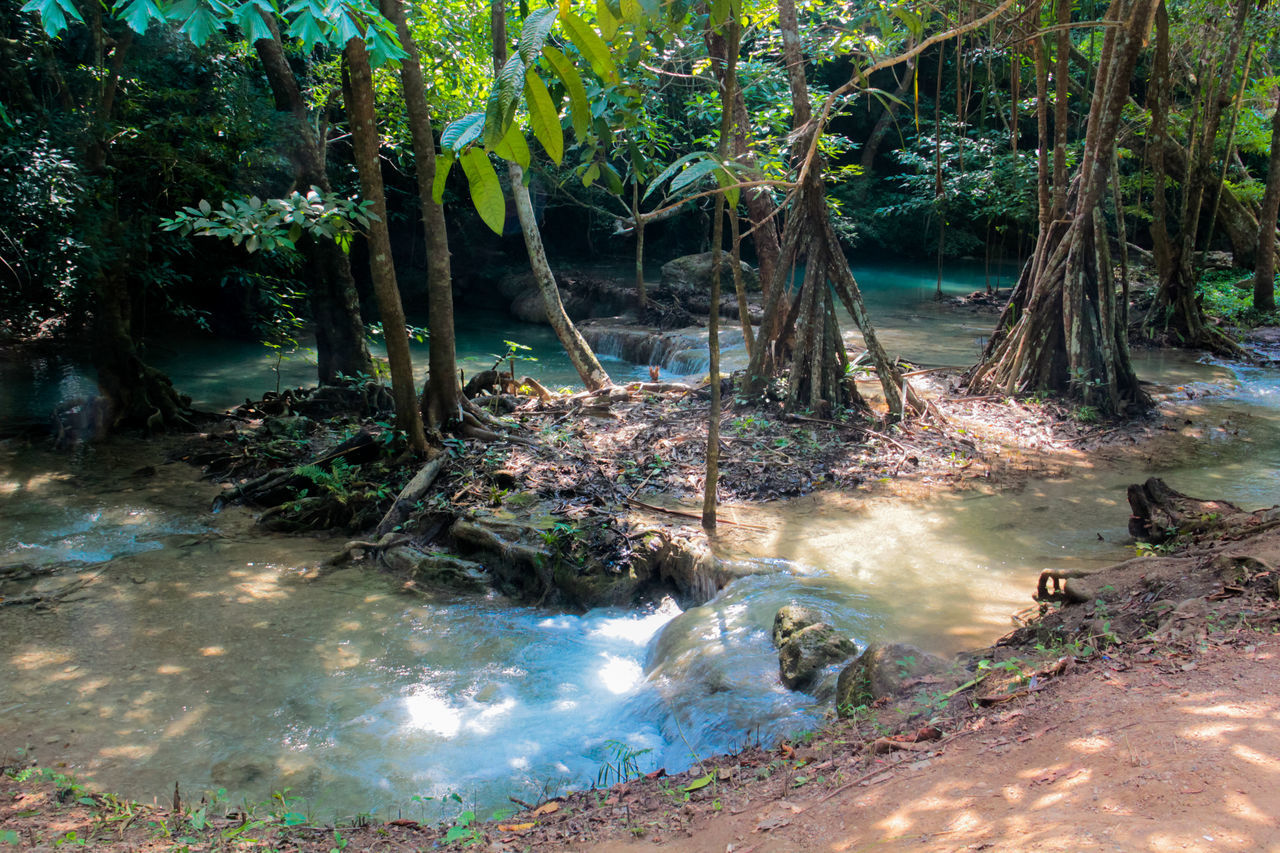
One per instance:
[(1141, 719)]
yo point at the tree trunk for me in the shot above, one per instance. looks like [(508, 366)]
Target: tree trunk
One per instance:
[(1061, 330), (575, 346), (440, 401), (816, 379), (358, 86), (331, 289), (1176, 304), (1264, 278)]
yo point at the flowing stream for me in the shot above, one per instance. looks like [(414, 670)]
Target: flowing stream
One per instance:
[(204, 653)]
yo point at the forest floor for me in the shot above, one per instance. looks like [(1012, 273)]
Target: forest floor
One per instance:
[(1144, 719)]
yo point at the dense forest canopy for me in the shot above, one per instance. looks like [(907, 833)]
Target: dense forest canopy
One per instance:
[(309, 141)]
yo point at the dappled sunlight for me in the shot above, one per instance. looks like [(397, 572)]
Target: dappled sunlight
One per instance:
[(1160, 771)]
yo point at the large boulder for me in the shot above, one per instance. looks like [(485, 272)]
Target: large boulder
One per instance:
[(791, 618), (808, 651), (692, 274), (885, 670)]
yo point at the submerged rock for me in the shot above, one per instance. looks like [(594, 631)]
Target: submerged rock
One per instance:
[(810, 649), (882, 670)]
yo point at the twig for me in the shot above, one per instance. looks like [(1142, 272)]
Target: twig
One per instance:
[(685, 514)]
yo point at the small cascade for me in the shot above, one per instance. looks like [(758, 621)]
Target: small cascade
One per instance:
[(681, 352)]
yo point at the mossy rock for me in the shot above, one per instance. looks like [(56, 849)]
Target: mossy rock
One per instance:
[(790, 618), (808, 651), (886, 670)]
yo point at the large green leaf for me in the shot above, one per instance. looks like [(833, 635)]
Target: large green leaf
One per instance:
[(486, 192), (608, 21), (513, 147), (729, 184), (692, 174), (672, 169), (248, 18), (503, 100), (579, 108), (461, 133), (544, 117), (534, 35), (443, 164), (592, 47), (139, 14)]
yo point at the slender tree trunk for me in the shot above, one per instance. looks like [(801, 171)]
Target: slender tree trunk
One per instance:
[(575, 346), (331, 289), (1176, 303), (440, 401), (358, 85), (1264, 278), (1061, 87), (880, 131)]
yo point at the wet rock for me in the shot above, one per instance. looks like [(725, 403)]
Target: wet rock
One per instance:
[(692, 273), (437, 570), (807, 651), (883, 670), (791, 618)]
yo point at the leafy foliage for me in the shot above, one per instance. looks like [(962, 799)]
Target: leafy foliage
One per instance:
[(277, 223)]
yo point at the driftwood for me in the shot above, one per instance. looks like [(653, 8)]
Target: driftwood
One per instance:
[(410, 495), (1160, 513)]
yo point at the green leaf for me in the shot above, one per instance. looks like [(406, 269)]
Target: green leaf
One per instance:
[(719, 13), (608, 22), (729, 183), (513, 147), (443, 164), (461, 133), (590, 175), (671, 170), (294, 819), (612, 179), (307, 30), (139, 14), (544, 118), (534, 35), (591, 46), (486, 192), (500, 112), (579, 108), (248, 18), (200, 25), (694, 173), (53, 14), (699, 783)]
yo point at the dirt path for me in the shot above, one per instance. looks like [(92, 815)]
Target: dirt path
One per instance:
[(1170, 754)]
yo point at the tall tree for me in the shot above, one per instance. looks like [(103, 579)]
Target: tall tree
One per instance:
[(1264, 278), (331, 289), (575, 346), (1061, 330), (440, 400), (1177, 308), (358, 93)]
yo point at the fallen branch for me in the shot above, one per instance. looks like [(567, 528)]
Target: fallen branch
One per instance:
[(410, 495), (695, 515)]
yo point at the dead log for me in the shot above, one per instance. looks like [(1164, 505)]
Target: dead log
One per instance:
[(410, 495), (1160, 513)]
